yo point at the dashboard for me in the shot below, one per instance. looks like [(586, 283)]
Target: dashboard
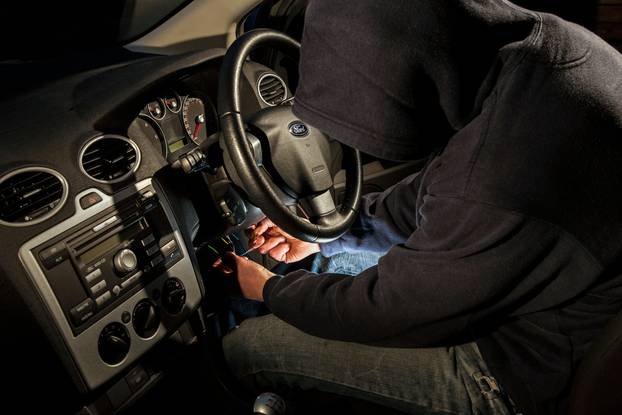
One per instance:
[(176, 121), (100, 226)]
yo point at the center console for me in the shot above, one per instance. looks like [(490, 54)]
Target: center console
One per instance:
[(116, 278)]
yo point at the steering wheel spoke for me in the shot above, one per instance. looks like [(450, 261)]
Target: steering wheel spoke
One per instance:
[(317, 206)]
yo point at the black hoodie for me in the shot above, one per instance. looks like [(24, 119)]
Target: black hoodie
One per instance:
[(512, 235)]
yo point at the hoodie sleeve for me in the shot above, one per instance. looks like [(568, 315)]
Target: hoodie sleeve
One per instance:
[(467, 264), (385, 219)]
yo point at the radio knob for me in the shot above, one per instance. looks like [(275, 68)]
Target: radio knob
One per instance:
[(125, 261)]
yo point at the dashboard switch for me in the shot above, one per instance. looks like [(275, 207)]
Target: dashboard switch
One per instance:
[(89, 200), (137, 378)]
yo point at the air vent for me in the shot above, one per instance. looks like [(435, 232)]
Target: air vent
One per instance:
[(271, 89), (31, 195), (110, 158)]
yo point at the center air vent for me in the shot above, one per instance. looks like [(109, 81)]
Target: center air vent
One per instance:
[(31, 195), (271, 89), (110, 158)]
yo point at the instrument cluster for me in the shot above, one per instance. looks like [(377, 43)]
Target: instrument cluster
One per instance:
[(176, 122)]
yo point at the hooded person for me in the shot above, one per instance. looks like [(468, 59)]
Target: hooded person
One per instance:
[(510, 236)]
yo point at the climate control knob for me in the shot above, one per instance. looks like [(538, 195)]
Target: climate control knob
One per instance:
[(125, 261), (146, 319), (173, 296), (114, 343)]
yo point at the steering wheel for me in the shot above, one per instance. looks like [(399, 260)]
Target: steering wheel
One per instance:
[(277, 159)]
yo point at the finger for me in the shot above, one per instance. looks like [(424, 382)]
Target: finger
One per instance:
[(271, 243), (279, 252), (217, 263), (279, 231), (249, 231), (262, 227), (274, 232), (257, 242)]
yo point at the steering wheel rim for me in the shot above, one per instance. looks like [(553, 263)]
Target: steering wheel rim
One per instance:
[(259, 188)]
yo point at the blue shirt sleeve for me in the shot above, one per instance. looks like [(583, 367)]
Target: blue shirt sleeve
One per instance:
[(385, 219)]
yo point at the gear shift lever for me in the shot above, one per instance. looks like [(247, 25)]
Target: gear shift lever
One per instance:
[(269, 404)]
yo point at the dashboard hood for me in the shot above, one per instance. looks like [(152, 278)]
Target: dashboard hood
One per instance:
[(396, 79)]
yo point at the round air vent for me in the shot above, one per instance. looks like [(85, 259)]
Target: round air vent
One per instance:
[(109, 158), (271, 89), (31, 195)]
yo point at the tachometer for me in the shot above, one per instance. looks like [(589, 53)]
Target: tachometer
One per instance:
[(194, 119)]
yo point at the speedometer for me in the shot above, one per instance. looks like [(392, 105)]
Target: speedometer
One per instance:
[(194, 119)]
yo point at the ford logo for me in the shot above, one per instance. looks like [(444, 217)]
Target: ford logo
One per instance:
[(298, 129)]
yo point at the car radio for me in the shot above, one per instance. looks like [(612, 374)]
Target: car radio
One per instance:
[(109, 256)]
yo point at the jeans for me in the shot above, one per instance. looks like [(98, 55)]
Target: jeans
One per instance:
[(265, 353)]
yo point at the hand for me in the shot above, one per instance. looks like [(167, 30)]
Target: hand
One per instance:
[(251, 276), (269, 239)]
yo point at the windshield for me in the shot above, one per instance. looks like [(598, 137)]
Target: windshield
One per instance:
[(42, 30)]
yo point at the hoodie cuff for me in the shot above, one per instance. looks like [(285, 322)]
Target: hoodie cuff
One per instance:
[(269, 287)]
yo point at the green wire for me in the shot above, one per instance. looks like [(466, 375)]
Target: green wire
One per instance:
[(213, 249)]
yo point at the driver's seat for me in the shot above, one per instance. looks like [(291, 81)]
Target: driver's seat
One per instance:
[(597, 385)]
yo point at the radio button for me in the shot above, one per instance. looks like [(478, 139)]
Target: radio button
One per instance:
[(147, 240), (82, 312), (125, 261), (152, 250), (156, 261), (103, 298), (93, 276), (105, 223), (148, 194), (131, 280), (149, 204), (54, 255), (172, 257), (97, 288), (116, 290), (168, 247)]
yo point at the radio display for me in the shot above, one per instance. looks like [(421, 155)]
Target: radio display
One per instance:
[(107, 244)]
